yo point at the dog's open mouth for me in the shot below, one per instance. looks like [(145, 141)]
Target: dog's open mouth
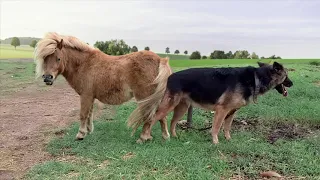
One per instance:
[(284, 90)]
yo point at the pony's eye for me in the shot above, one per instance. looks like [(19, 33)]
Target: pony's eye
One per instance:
[(58, 59)]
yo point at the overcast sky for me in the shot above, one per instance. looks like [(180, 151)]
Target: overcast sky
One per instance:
[(290, 29)]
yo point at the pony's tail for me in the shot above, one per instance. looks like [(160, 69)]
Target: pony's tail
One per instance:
[(147, 107)]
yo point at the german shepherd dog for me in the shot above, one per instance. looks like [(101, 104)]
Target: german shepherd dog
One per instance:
[(223, 90)]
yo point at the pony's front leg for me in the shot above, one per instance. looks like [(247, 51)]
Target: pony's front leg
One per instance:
[(85, 114), (90, 120)]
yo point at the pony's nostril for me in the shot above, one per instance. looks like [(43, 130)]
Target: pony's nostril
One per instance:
[(50, 76)]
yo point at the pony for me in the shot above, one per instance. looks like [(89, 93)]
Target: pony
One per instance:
[(111, 80)]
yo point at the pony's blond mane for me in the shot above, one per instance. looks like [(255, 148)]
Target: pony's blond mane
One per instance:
[(48, 44)]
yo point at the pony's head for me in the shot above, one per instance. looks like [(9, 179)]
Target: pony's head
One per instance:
[(51, 55), (52, 65)]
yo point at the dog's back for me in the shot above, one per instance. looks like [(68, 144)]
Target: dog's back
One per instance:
[(206, 85)]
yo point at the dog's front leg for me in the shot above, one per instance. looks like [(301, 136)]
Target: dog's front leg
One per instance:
[(220, 115)]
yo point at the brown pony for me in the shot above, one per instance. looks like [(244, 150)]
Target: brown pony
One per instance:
[(112, 80)]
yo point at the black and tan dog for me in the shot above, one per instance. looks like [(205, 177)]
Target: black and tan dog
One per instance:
[(223, 90)]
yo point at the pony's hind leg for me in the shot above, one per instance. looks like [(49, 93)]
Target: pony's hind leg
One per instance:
[(86, 106), (164, 128), (167, 105)]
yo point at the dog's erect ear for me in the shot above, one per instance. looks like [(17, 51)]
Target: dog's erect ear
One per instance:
[(59, 45), (261, 64), (277, 66)]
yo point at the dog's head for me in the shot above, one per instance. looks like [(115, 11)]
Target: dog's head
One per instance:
[(279, 75)]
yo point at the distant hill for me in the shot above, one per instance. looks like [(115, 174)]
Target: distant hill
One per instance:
[(23, 40), (174, 56)]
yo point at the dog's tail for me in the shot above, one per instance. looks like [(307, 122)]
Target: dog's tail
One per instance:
[(147, 107)]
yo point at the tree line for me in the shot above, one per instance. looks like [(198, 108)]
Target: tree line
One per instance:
[(239, 54), (120, 47), (15, 41)]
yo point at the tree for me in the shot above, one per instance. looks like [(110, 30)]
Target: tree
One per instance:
[(134, 49), (147, 48), (113, 47), (217, 54), (167, 50), (274, 57), (195, 55), (241, 54), (262, 57), (33, 43), (102, 46), (176, 51), (229, 55), (185, 52), (245, 54), (15, 42), (254, 56), (204, 57)]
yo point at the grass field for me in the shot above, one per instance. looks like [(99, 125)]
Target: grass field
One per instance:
[(8, 52), (279, 134)]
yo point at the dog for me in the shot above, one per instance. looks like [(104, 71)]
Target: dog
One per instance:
[(223, 90)]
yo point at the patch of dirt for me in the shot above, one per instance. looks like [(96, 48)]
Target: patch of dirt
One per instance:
[(103, 164), (127, 156), (287, 131), (291, 69), (317, 83), (6, 175), (238, 124), (29, 118)]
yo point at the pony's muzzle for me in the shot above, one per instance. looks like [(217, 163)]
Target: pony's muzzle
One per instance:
[(48, 79)]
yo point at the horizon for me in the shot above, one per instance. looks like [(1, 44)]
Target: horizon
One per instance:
[(290, 30)]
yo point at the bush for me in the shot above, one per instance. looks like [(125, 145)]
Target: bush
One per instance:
[(314, 63), (195, 55)]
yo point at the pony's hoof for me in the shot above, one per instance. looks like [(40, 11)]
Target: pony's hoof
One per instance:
[(166, 137), (80, 136), (139, 141), (142, 140), (215, 141)]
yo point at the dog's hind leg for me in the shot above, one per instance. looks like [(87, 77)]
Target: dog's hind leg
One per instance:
[(220, 115), (179, 111), (227, 124)]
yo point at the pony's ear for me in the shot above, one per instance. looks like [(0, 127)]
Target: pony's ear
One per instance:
[(59, 45)]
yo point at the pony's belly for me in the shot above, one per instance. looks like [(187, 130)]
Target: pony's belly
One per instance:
[(116, 97)]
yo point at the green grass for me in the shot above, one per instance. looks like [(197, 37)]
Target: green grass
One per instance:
[(175, 56), (233, 62), (9, 52), (15, 76), (192, 156)]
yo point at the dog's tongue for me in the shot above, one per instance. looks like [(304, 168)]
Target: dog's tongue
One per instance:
[(285, 92)]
